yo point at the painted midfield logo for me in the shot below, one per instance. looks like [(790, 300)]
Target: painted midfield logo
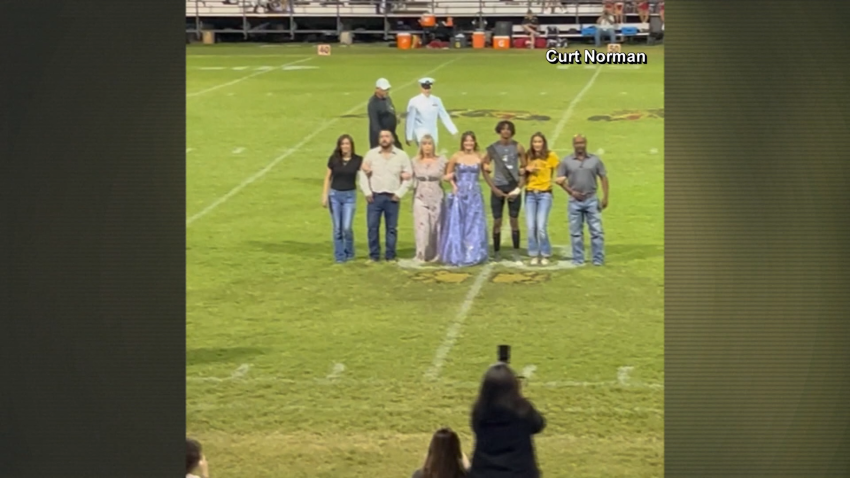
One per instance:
[(630, 115), (519, 278), (441, 277)]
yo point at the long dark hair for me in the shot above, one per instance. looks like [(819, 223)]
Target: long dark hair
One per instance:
[(193, 454), (445, 458), (544, 151), (500, 389), (336, 156), (468, 134)]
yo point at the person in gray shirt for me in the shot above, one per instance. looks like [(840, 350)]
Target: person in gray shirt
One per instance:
[(577, 175), (385, 177)]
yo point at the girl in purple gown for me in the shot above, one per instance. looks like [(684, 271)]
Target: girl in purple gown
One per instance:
[(463, 240)]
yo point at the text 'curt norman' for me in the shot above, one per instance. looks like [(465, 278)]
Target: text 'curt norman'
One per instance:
[(593, 57)]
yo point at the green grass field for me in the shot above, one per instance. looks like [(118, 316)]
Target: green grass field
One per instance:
[(297, 367)]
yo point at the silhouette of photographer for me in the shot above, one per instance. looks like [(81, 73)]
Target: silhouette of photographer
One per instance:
[(504, 423)]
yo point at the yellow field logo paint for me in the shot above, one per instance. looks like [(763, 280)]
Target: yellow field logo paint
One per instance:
[(630, 115), (519, 278), (442, 277)]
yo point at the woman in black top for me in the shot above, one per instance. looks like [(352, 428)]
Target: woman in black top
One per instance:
[(504, 422), (445, 458), (339, 195)]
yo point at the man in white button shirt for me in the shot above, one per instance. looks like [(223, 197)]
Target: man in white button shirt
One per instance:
[(422, 113)]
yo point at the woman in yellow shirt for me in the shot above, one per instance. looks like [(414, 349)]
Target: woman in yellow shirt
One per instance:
[(540, 169)]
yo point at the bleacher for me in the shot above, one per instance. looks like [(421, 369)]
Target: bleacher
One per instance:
[(623, 32), (454, 8), (573, 19)]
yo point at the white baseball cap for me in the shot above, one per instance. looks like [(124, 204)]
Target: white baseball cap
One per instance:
[(382, 83)]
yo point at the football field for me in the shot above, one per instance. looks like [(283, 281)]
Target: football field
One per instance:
[(298, 367)]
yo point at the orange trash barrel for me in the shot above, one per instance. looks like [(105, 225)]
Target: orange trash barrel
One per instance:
[(403, 41), (478, 39), (501, 43), (427, 20)]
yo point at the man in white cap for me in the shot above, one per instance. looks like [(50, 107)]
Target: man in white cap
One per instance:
[(382, 115), (422, 113)]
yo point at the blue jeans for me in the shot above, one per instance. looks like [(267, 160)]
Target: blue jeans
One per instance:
[(342, 205), (600, 32), (589, 211), (382, 205), (537, 207)]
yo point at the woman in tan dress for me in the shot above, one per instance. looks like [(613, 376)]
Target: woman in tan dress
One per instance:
[(428, 172)]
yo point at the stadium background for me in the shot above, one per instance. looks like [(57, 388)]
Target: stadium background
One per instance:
[(299, 368)]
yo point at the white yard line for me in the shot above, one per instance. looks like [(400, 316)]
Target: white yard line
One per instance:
[(623, 375), (528, 371), (240, 372), (454, 328), (241, 79), (259, 174), (456, 324), (568, 113), (338, 380), (336, 371)]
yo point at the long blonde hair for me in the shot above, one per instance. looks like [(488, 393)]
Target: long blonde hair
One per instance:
[(430, 139)]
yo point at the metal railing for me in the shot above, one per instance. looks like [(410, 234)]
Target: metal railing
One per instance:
[(374, 17)]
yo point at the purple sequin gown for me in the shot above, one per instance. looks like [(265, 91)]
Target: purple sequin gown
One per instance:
[(464, 239)]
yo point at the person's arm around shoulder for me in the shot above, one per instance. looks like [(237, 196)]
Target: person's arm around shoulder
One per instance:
[(553, 163), (444, 167), (486, 170), (561, 178), (406, 176), (561, 174), (523, 164), (363, 177), (450, 173)]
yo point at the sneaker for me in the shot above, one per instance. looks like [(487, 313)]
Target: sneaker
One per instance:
[(535, 261), (544, 262)]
